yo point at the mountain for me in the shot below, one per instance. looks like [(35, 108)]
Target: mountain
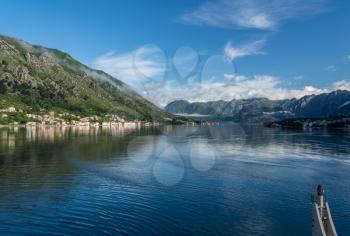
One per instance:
[(38, 79), (322, 106), (249, 110), (325, 105), (185, 107)]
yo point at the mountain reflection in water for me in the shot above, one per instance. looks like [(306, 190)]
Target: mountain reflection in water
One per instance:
[(227, 179)]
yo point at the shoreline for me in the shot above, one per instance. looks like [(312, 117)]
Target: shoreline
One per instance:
[(111, 125), (119, 125), (311, 123)]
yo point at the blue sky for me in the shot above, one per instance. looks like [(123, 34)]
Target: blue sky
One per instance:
[(197, 50)]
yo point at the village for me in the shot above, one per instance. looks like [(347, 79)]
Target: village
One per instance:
[(69, 119)]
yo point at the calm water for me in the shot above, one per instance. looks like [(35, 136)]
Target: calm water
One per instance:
[(219, 180)]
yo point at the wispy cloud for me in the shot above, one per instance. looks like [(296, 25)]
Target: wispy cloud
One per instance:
[(258, 14), (234, 78), (299, 77), (133, 67), (331, 68), (185, 61), (253, 48), (347, 57)]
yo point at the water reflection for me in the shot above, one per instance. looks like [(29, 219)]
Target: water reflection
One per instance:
[(189, 180), (11, 135), (48, 153), (36, 150)]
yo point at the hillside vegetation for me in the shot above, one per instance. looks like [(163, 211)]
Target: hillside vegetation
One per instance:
[(38, 79)]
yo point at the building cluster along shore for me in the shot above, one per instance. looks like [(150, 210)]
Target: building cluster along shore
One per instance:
[(69, 119)]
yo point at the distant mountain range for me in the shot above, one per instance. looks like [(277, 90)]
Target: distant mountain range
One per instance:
[(325, 105), (38, 79)]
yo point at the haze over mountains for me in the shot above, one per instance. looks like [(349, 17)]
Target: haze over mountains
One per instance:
[(36, 79), (325, 105)]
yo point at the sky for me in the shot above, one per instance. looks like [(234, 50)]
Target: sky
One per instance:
[(197, 50)]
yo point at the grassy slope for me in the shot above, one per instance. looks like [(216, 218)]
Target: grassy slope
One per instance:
[(36, 78)]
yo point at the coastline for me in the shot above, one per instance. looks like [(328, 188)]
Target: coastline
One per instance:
[(104, 124), (305, 123)]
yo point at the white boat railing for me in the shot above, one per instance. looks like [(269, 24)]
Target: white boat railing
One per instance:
[(322, 221)]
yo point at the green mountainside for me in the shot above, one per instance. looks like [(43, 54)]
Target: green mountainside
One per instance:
[(37, 79)]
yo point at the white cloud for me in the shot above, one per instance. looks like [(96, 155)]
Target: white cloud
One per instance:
[(258, 14), (251, 48), (141, 67), (147, 62), (342, 85), (347, 57), (258, 86), (234, 78)]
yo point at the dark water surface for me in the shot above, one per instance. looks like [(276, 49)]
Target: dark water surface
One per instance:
[(215, 180)]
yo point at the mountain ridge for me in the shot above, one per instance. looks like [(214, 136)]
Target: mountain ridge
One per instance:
[(37, 79), (336, 103)]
